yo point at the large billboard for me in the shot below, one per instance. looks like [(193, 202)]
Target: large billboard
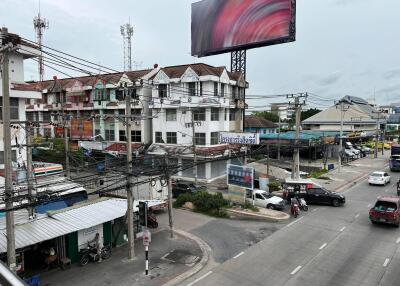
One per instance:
[(220, 26)]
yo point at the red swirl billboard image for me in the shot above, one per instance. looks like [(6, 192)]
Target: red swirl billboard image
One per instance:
[(220, 26)]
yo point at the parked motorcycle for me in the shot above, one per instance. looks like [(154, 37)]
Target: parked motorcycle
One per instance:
[(294, 209), (90, 254), (303, 204)]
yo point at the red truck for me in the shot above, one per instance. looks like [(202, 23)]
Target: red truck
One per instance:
[(386, 210)]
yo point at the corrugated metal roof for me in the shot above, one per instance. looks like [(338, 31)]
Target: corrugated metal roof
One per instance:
[(62, 222), (304, 135), (86, 216)]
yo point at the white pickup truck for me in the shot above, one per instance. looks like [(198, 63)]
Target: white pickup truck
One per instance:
[(265, 200)]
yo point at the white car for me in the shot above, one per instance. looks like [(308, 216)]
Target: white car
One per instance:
[(265, 200), (379, 178), (348, 153)]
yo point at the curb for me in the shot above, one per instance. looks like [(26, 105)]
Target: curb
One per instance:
[(355, 181), (206, 251), (258, 216)]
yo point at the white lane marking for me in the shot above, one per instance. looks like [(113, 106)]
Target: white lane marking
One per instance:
[(357, 215), (343, 228), (237, 255), (398, 240), (201, 277), (369, 205), (295, 270), (386, 262), (314, 210), (293, 222), (323, 246)]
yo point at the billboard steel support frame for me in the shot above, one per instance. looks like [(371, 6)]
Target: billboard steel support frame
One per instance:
[(238, 64)]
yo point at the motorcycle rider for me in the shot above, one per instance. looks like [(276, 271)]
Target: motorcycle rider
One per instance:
[(95, 243)]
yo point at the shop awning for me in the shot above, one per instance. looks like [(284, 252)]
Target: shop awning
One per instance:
[(62, 222)]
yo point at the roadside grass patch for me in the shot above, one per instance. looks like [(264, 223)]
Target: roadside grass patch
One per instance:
[(319, 175), (249, 206)]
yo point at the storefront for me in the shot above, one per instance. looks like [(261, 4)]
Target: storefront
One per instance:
[(58, 236)]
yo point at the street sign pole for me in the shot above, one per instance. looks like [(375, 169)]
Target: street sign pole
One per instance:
[(146, 243)]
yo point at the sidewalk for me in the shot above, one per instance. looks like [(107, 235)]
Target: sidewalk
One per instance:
[(168, 258), (353, 172)]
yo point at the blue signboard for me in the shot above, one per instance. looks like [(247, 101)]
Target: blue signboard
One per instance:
[(240, 176)]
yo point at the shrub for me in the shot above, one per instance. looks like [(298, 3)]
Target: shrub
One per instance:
[(182, 199), (274, 186), (204, 202)]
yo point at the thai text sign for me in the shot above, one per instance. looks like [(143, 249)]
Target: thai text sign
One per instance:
[(239, 138)]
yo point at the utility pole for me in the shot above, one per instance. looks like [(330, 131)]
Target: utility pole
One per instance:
[(29, 167), (377, 134), (279, 135), (169, 184), (343, 109), (129, 187), (66, 147), (7, 151), (194, 149), (296, 153)]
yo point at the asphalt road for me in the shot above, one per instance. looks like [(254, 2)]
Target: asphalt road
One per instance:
[(226, 238), (327, 246)]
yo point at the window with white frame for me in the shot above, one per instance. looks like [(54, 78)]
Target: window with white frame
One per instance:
[(214, 138), (109, 133), (122, 136), (162, 90), (200, 139), (214, 114), (14, 112), (192, 88), (199, 114), (171, 114), (136, 136), (232, 114), (171, 138), (158, 137)]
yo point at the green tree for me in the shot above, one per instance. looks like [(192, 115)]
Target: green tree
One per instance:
[(308, 113), (271, 116)]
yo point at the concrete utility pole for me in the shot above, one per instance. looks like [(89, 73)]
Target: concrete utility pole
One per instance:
[(377, 135), (194, 149), (279, 135), (296, 153), (129, 187), (29, 167), (7, 151), (66, 147), (343, 109), (170, 215)]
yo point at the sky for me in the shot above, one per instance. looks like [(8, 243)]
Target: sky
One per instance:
[(342, 47)]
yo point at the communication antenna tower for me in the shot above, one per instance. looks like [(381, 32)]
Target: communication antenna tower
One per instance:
[(126, 33), (40, 24)]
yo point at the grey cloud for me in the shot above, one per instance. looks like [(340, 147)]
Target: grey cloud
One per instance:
[(329, 79), (393, 73), (390, 88)]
